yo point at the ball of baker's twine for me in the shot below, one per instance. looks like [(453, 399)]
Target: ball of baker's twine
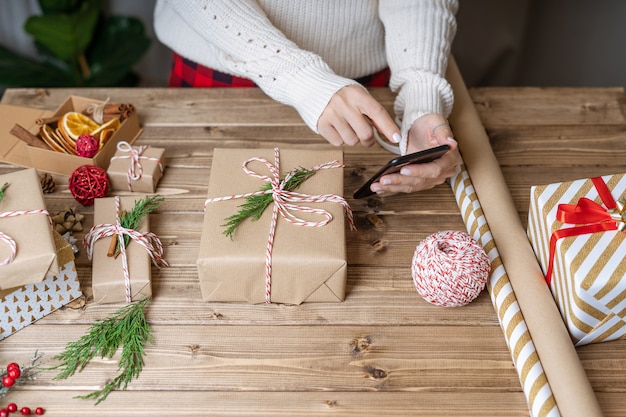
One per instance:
[(450, 268)]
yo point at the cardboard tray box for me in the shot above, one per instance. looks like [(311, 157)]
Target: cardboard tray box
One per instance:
[(15, 151)]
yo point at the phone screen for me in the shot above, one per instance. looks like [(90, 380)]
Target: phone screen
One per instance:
[(394, 165)]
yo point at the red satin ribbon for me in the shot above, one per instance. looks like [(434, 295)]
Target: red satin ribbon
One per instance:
[(591, 215)]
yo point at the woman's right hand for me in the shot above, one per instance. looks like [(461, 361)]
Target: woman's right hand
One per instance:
[(348, 118)]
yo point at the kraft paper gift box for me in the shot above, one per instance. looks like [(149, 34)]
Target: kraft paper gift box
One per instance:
[(308, 263), (107, 271), (588, 278), (26, 304), (147, 164), (35, 253)]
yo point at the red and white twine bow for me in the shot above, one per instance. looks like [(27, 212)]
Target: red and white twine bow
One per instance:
[(135, 170), (148, 240), (286, 204), (8, 239)]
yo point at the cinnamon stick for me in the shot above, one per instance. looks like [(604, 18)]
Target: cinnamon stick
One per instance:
[(23, 134), (47, 120), (112, 246)]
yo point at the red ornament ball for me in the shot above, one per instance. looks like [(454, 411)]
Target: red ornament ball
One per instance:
[(87, 183), (450, 269), (87, 146)]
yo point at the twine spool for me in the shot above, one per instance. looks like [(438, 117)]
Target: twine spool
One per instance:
[(87, 146), (87, 183), (450, 268)]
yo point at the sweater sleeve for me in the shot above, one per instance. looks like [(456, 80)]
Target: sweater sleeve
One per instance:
[(241, 38), (419, 35)]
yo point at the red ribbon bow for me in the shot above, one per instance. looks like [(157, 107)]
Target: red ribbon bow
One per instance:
[(590, 215)]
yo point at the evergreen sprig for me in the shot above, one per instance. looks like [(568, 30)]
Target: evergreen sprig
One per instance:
[(255, 205), (127, 327), (2, 189), (132, 219)]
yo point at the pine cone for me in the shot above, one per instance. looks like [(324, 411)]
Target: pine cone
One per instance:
[(47, 183)]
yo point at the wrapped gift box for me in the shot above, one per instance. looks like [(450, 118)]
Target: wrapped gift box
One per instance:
[(588, 278), (15, 151), (308, 263), (26, 304), (107, 271), (35, 253), (147, 163)]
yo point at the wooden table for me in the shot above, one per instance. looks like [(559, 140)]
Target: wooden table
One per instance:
[(382, 352)]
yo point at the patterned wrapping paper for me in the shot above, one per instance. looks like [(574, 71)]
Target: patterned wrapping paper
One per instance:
[(534, 382), (567, 378), (589, 270), (26, 304)]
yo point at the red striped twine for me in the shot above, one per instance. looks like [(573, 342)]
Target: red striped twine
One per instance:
[(148, 240), (135, 170), (286, 204), (8, 239)]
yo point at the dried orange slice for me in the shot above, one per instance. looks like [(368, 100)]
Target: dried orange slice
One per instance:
[(66, 141), (75, 124), (106, 130), (50, 137)]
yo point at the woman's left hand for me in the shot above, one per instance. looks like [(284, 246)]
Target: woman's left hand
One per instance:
[(427, 132)]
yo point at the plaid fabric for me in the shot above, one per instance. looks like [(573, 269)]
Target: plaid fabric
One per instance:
[(186, 73)]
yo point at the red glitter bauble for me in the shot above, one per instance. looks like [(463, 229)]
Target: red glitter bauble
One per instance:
[(87, 146), (87, 183)]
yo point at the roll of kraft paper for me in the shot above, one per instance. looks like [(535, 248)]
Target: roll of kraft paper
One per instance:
[(564, 372)]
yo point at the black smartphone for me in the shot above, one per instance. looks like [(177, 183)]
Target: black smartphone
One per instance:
[(427, 155)]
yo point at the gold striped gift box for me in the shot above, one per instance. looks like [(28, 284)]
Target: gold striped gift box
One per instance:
[(588, 277)]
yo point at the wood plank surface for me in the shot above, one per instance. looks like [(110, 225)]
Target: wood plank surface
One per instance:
[(382, 352)]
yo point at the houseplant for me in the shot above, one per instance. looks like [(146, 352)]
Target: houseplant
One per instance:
[(78, 46)]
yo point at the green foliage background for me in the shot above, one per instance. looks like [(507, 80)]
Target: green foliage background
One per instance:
[(78, 46)]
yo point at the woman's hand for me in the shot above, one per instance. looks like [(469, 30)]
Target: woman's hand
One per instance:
[(428, 131), (348, 118)]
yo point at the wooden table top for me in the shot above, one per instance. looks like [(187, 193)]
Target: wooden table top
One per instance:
[(382, 352)]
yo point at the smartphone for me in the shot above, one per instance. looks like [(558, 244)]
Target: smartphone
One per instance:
[(427, 155)]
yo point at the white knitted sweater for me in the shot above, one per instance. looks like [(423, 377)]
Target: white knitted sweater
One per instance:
[(300, 52)]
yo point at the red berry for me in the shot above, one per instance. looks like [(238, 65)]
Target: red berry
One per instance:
[(13, 365), (12, 408), (25, 411), (39, 411), (14, 372), (4, 412), (7, 381)]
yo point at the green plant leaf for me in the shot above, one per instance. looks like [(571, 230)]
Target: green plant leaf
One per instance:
[(67, 35), (18, 71), (118, 45)]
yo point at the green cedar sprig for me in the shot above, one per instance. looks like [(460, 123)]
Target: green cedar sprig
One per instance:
[(132, 219), (2, 189), (255, 205), (128, 328)]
